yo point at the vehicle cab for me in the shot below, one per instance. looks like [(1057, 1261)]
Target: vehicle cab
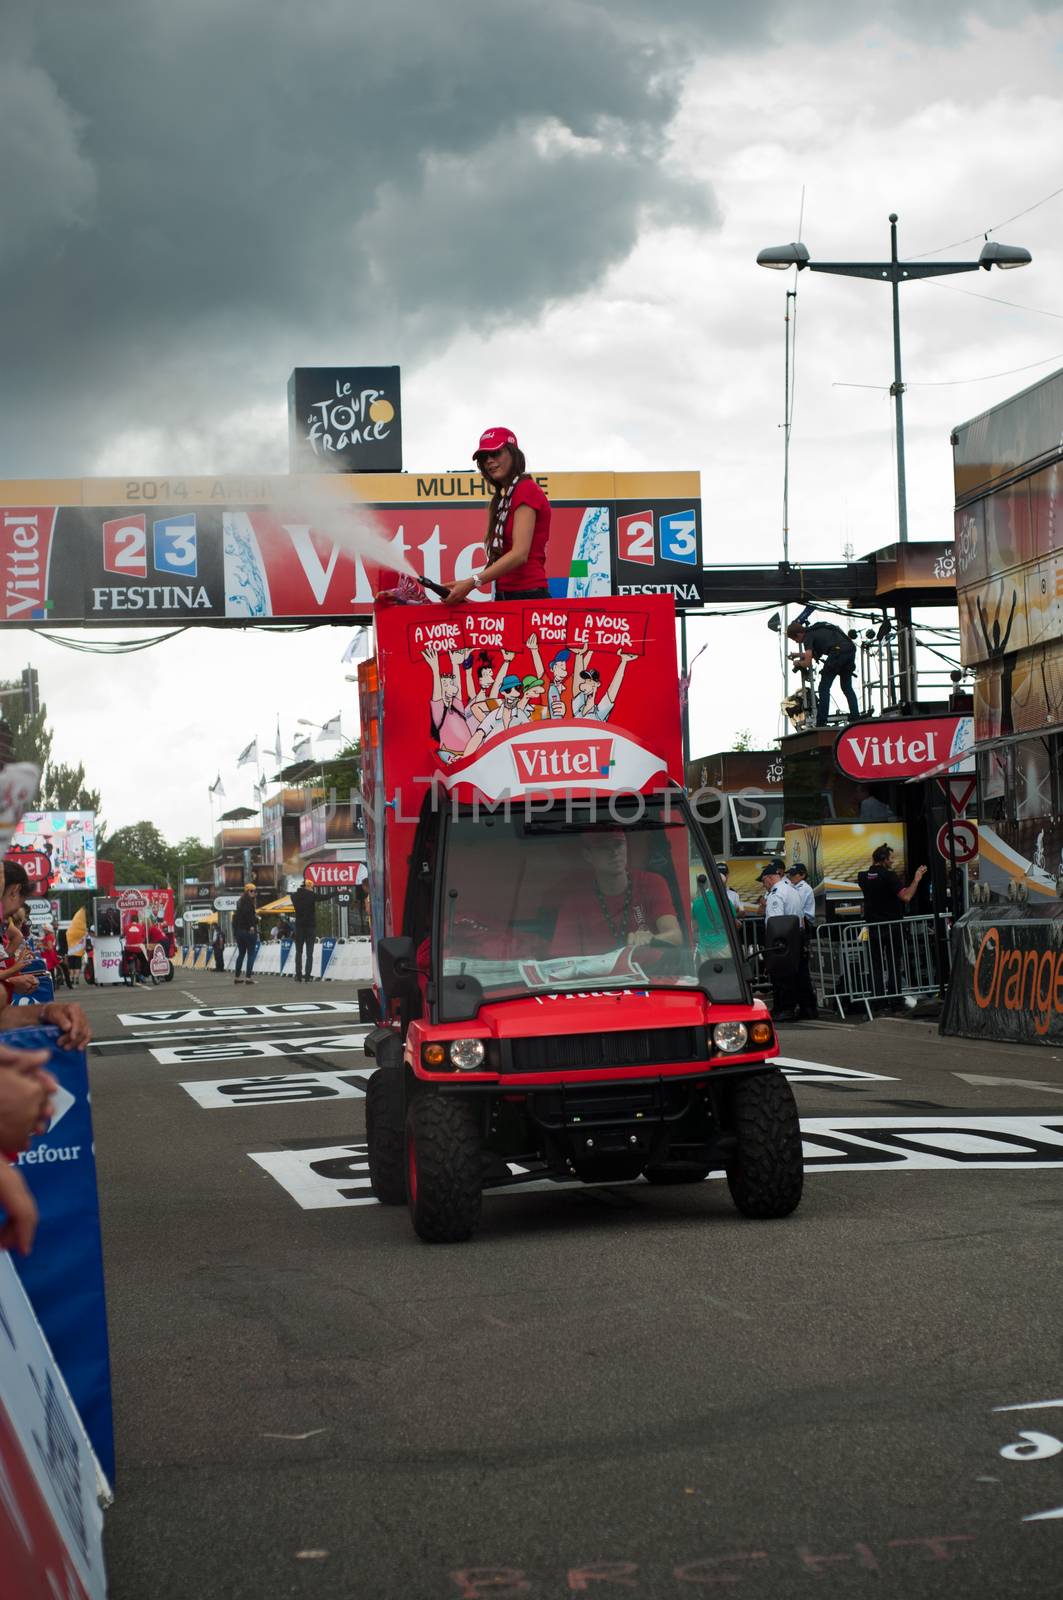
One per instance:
[(559, 991)]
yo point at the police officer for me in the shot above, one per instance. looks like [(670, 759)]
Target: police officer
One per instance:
[(781, 900), (807, 1007), (826, 643)]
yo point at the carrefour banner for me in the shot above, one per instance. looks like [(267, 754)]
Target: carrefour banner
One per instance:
[(1007, 975), (64, 1274), (212, 550)]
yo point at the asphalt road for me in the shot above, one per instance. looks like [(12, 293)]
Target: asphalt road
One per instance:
[(621, 1392)]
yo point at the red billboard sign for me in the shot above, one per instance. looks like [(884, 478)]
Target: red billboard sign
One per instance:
[(908, 747), (333, 874)]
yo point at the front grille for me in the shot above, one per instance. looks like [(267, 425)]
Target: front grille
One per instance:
[(643, 1047)]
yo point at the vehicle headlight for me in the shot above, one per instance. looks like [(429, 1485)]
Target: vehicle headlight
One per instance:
[(729, 1037), (467, 1054)]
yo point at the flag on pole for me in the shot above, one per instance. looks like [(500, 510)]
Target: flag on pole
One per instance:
[(248, 757), (358, 647), (216, 788), (331, 729), (277, 752), (301, 748)]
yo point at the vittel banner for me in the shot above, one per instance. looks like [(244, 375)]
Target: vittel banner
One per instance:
[(131, 552), (910, 747)]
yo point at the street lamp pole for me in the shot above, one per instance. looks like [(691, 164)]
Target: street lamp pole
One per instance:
[(895, 272)]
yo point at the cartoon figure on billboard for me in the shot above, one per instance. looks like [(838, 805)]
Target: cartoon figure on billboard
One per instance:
[(450, 730), (586, 703), (559, 689), (481, 686), (513, 710)]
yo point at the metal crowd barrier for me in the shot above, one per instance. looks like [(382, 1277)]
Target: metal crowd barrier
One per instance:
[(866, 962)]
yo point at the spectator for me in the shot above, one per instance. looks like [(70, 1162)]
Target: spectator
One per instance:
[(245, 927), (26, 1104), (885, 902), (781, 900), (218, 946), (62, 947), (305, 906), (805, 994), (732, 894)]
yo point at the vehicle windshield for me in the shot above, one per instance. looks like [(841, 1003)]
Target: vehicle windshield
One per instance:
[(549, 904)]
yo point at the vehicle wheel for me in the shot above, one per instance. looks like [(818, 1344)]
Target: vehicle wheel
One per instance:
[(444, 1167), (384, 1116), (766, 1174), (670, 1172)]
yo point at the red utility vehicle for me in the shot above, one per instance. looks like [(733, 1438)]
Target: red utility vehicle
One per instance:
[(559, 992)]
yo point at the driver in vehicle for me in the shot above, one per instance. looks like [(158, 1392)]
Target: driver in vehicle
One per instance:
[(610, 906)]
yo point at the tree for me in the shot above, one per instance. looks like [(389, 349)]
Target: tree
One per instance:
[(63, 789), (31, 737), (743, 740), (139, 852)]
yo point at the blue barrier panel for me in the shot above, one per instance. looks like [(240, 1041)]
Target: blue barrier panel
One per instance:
[(286, 950), (63, 1276), (45, 989), (327, 947)]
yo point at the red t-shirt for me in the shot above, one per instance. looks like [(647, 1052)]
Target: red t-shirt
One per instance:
[(532, 575), (134, 934), (582, 930)]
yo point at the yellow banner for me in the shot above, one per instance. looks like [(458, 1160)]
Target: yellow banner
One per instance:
[(371, 488)]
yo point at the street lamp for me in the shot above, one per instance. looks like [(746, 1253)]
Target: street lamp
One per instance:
[(895, 272)]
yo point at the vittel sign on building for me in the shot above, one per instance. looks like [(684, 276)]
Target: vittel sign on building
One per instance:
[(910, 747)]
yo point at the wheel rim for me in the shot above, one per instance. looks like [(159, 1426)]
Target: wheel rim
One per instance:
[(411, 1167)]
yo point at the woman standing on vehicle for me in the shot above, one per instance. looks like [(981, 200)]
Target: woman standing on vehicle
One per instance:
[(518, 524)]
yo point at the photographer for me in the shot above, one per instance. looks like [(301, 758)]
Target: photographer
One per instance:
[(824, 642)]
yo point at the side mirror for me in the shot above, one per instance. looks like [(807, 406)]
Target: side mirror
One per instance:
[(461, 998), (398, 967)]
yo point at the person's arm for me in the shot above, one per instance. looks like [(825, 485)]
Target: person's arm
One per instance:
[(73, 1025), (618, 677), (908, 893), (507, 657), (537, 660), (432, 657), (515, 556), (18, 1209)]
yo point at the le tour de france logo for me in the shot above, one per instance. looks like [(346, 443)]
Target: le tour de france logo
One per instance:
[(345, 419)]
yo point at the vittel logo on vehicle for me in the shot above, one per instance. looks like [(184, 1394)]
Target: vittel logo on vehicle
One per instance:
[(565, 757), (25, 554), (550, 762)]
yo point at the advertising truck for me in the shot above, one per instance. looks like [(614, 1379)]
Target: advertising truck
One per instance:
[(558, 989)]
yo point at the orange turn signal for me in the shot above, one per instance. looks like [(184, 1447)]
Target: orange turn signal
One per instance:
[(761, 1033), (434, 1055)]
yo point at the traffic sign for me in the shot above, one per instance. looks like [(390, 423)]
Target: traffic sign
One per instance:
[(964, 841), (226, 902)]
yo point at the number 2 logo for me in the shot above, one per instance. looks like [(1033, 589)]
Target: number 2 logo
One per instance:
[(125, 547)]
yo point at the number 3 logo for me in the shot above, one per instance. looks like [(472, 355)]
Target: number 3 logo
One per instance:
[(175, 545)]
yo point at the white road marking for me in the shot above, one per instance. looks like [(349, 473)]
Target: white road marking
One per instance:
[(256, 1049), (820, 1072), (338, 1175), (280, 1008), (241, 1030), (280, 1088), (1008, 1083), (192, 996)]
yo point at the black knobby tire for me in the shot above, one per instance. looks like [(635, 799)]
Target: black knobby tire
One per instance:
[(766, 1173), (385, 1114), (670, 1172), (444, 1168)]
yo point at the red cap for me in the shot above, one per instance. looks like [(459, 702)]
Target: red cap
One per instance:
[(493, 439)]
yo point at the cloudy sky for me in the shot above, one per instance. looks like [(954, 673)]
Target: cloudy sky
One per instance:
[(548, 214)]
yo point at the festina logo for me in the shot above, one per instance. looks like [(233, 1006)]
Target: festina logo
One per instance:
[(153, 597), (322, 874), (563, 758)]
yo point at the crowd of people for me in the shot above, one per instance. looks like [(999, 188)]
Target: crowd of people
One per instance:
[(27, 1088)]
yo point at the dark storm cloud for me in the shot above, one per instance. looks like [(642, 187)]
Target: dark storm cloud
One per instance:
[(196, 196)]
